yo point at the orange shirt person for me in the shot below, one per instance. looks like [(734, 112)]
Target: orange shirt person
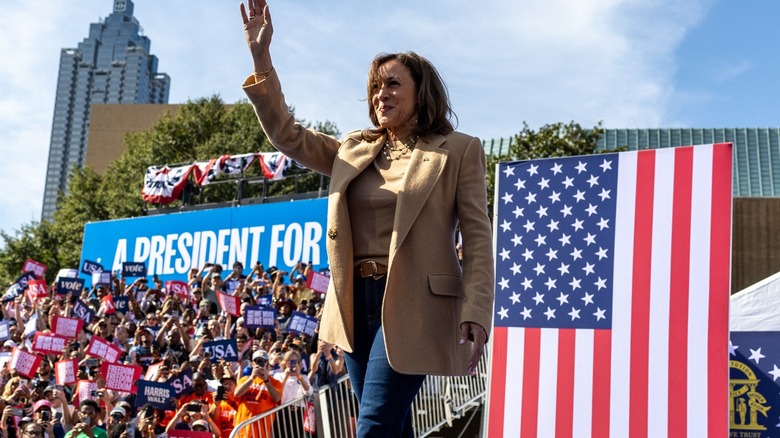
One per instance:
[(224, 413), (255, 394)]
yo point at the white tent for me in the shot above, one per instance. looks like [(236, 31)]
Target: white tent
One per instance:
[(757, 307)]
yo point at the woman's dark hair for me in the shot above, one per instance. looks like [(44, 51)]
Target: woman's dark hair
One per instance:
[(434, 110)]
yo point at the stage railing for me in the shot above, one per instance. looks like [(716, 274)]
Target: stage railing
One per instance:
[(440, 401)]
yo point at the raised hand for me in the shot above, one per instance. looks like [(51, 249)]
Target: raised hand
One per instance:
[(258, 31)]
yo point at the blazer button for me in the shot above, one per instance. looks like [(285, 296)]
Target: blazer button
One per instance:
[(332, 233)]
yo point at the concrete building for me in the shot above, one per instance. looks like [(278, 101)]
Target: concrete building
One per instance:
[(112, 65)]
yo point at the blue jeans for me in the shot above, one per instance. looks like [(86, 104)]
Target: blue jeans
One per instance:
[(385, 396)]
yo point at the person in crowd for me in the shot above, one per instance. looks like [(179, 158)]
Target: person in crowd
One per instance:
[(258, 393), (224, 412), (87, 425), (398, 192)]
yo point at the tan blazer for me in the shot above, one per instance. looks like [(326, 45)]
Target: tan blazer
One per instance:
[(428, 293)]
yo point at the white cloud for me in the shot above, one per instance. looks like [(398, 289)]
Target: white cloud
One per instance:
[(540, 61)]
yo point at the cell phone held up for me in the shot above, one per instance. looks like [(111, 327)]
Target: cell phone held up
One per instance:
[(220, 393), (193, 407)]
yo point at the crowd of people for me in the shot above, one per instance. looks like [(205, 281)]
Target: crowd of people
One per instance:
[(164, 334)]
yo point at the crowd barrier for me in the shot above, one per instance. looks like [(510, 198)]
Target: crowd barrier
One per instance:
[(333, 410)]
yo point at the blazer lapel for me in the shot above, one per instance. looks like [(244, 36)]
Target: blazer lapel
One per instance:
[(425, 167), (350, 161)]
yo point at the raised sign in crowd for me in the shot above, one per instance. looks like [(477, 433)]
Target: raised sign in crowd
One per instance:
[(132, 356)]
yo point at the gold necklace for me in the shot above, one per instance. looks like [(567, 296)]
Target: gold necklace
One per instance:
[(388, 150)]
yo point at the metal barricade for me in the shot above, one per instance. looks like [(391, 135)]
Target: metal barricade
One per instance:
[(440, 401)]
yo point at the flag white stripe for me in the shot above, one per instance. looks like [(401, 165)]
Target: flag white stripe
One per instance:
[(660, 276), (621, 297), (513, 403), (698, 324), (548, 381), (583, 384)]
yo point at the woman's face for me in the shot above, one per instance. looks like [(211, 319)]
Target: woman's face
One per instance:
[(395, 97)]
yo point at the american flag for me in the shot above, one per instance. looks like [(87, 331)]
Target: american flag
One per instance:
[(612, 288)]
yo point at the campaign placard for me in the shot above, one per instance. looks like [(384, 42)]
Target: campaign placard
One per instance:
[(122, 304), (88, 267), (82, 311), (70, 286), (66, 327), (318, 282), (5, 330), (259, 317), (85, 388), (65, 371), (5, 357), (226, 349), (121, 377), (49, 344), (151, 370), (31, 326), (265, 300), (229, 304), (182, 383), (158, 394), (18, 287), (24, 363), (300, 323), (107, 305), (179, 288), (231, 286), (133, 269), (37, 289), (67, 273), (99, 347), (101, 279), (37, 268)]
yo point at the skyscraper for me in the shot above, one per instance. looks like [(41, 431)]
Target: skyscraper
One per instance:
[(112, 65)]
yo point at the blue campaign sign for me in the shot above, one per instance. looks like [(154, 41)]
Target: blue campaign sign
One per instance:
[(182, 383), (226, 350), (88, 266), (70, 286), (133, 269), (160, 395), (259, 317), (5, 330), (265, 300), (121, 304), (301, 323), (82, 311), (277, 234)]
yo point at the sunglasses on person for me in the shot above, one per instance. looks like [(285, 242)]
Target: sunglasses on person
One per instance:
[(259, 361)]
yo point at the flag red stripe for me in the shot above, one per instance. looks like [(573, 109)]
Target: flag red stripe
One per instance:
[(564, 400), (678, 299), (720, 263), (602, 375), (498, 382), (640, 301), (531, 357)]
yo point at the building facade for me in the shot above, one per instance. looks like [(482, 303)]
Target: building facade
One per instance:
[(112, 65)]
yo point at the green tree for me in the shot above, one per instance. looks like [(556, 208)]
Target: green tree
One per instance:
[(552, 140), (203, 129)]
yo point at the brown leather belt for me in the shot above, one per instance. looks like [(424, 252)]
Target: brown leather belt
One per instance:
[(370, 268)]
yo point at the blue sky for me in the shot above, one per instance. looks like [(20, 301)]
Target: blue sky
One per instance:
[(629, 63)]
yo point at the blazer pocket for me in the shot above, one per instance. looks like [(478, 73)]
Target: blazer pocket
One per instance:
[(450, 285)]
